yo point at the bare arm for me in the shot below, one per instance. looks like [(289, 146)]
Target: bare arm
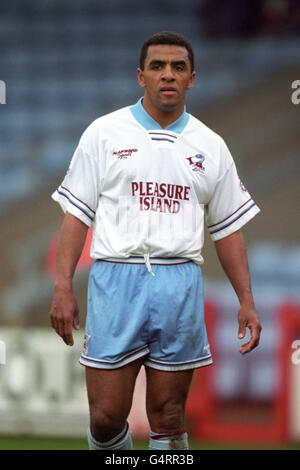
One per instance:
[(232, 254), (64, 311)]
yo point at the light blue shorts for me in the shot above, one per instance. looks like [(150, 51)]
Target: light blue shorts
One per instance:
[(132, 314)]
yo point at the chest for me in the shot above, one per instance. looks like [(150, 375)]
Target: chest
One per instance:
[(155, 162)]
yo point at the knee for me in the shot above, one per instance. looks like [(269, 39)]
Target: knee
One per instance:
[(167, 416), (106, 423)]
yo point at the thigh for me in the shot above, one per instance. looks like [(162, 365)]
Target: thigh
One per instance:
[(116, 323), (110, 391), (178, 338)]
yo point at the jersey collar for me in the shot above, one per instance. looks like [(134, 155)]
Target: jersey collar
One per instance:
[(143, 118)]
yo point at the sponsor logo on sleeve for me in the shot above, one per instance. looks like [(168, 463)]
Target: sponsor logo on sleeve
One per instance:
[(242, 186)]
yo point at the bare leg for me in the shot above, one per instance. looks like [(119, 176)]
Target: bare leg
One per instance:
[(167, 392), (110, 393)]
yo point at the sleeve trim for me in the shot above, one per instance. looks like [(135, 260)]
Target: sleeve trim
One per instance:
[(79, 200), (221, 221), (237, 225), (62, 193), (239, 213)]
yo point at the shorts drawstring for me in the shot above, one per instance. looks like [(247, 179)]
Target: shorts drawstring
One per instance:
[(147, 262)]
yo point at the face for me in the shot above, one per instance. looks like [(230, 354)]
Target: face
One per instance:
[(166, 76)]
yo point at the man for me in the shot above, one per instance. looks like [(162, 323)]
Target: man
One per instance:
[(146, 177)]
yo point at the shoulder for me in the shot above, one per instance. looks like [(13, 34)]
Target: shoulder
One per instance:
[(198, 128), (107, 121), (202, 135), (102, 128), (210, 142)]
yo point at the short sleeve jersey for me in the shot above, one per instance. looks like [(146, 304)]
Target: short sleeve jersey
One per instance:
[(151, 190)]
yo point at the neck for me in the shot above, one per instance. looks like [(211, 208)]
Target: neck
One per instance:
[(164, 118)]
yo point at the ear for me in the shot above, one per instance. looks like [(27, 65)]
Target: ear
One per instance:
[(191, 81), (140, 76)]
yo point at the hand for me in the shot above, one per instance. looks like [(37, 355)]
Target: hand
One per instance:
[(64, 314), (248, 318)]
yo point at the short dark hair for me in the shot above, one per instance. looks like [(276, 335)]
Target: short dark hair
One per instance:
[(170, 38)]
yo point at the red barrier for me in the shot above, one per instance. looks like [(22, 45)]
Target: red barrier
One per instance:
[(206, 413), (84, 263)]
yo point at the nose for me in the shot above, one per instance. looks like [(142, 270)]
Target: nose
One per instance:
[(168, 73)]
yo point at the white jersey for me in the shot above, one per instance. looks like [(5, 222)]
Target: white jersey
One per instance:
[(148, 191)]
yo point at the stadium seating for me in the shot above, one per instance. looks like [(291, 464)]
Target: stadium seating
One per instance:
[(67, 63)]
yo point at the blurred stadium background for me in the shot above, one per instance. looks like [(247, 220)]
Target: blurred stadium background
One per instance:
[(66, 63)]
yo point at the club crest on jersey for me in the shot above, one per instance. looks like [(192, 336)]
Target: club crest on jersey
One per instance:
[(196, 163), (123, 154)]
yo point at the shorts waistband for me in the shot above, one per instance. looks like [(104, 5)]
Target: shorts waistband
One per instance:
[(141, 260)]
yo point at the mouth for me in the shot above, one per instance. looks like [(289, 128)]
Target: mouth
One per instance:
[(168, 91)]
